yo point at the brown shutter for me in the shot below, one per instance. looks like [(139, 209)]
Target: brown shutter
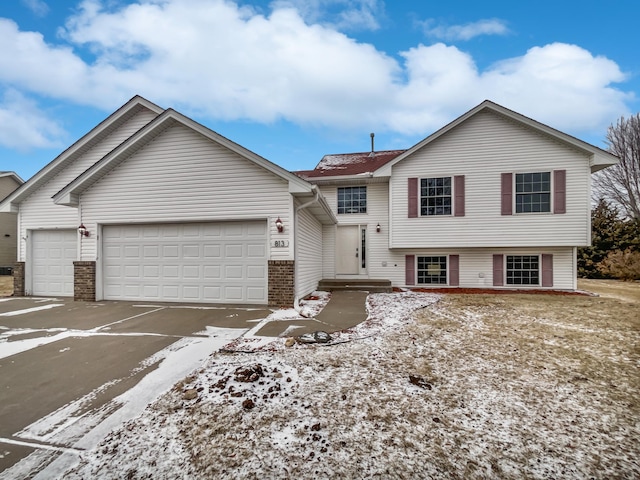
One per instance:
[(413, 198), (409, 269), (507, 194), (559, 191), (458, 187), (498, 270), (454, 270), (547, 270)]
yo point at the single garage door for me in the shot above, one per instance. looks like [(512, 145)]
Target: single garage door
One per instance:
[(53, 254), (204, 262)]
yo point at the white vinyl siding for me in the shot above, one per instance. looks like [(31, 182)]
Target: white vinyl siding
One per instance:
[(328, 251), (481, 149), (308, 253), (377, 243), (181, 175), (38, 211), (476, 265)]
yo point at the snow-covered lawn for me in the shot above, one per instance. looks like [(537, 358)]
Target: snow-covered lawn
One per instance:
[(468, 386)]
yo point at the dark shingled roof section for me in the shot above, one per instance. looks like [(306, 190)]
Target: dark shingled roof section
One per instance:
[(349, 164)]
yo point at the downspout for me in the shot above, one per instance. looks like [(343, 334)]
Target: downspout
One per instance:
[(316, 199)]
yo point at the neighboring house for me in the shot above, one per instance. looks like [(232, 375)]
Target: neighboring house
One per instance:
[(493, 199), (9, 181), (151, 205)]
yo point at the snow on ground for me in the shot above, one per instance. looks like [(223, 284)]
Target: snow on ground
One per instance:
[(454, 391)]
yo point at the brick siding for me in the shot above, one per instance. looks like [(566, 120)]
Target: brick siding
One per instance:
[(84, 281), (281, 283), (18, 279)]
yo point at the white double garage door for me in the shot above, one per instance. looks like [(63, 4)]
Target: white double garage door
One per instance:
[(223, 262)]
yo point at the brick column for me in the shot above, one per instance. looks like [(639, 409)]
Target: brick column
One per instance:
[(84, 281), (18, 279), (281, 283)]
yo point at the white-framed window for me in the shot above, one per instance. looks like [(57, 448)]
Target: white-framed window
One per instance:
[(523, 269), (352, 200), (436, 196), (432, 270), (533, 192)]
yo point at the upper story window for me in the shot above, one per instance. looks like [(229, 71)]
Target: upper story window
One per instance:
[(533, 192), (435, 196), (352, 199)]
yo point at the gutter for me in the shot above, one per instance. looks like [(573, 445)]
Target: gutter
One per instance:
[(316, 199)]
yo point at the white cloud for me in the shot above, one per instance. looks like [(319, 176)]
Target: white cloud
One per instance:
[(38, 7), (216, 60), (340, 14), (23, 126), (467, 31)]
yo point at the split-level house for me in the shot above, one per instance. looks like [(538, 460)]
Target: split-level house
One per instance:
[(151, 205), (493, 199)]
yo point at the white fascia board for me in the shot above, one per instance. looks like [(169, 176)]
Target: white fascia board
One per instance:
[(297, 187), (70, 194), (124, 150), (9, 207), (68, 199), (51, 169), (593, 151), (598, 162), (13, 175)]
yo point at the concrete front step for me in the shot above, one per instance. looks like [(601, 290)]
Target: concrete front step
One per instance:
[(363, 284)]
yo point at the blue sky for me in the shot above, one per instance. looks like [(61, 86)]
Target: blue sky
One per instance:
[(293, 80)]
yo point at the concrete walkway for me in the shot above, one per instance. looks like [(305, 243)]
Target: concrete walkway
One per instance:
[(345, 309)]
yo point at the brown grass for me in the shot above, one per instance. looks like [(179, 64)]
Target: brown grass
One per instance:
[(6, 286), (521, 386)]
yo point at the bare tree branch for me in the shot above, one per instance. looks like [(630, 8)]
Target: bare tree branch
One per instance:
[(621, 183)]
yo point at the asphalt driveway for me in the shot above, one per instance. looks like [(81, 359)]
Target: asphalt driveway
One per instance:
[(69, 369)]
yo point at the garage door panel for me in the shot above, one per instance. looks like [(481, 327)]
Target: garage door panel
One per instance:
[(132, 271), (191, 251), (233, 251), (170, 251), (256, 250), (212, 251), (210, 262), (212, 231), (151, 251), (255, 293), (256, 272), (131, 232), (212, 272), (52, 255), (233, 272), (234, 293), (212, 294), (131, 251), (190, 272), (234, 230)]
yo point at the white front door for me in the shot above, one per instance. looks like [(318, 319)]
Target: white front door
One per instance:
[(348, 250), (53, 253)]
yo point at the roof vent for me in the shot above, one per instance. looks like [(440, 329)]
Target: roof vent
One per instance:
[(372, 150)]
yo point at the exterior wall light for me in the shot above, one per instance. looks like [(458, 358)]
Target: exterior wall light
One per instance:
[(279, 225), (82, 230), (378, 228)]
